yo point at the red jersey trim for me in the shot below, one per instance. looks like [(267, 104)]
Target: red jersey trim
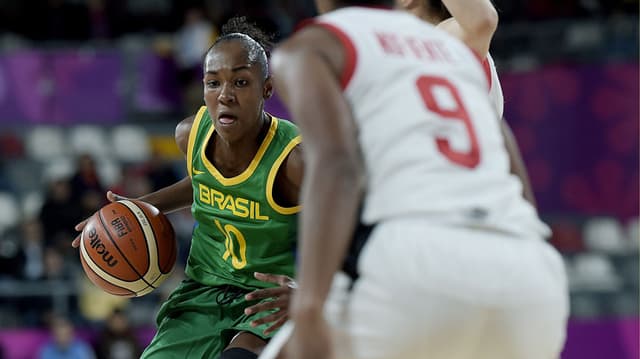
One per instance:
[(350, 53), (303, 23), (487, 71), (485, 66)]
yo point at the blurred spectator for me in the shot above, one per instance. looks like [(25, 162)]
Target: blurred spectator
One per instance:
[(86, 189), (160, 172), (22, 252), (55, 266), (139, 179), (5, 184), (33, 248), (192, 41), (11, 255), (86, 178), (133, 182), (59, 214), (64, 344), (34, 310), (117, 340), (99, 19)]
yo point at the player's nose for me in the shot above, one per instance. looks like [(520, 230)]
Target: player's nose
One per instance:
[(226, 95)]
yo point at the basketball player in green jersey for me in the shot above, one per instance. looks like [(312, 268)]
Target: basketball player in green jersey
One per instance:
[(245, 169)]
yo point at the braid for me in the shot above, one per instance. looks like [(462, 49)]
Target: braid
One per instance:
[(240, 25), (257, 43)]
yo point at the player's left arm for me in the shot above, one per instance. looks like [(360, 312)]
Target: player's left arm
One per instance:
[(474, 22), (294, 169), (293, 172), (307, 69)]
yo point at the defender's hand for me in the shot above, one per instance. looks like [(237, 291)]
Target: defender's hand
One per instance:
[(112, 197), (280, 296)]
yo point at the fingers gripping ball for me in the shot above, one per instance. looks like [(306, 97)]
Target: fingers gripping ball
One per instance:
[(128, 248)]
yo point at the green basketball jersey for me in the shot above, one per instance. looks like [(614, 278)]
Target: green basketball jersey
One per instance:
[(239, 228)]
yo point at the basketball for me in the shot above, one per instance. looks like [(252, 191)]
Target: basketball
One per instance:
[(128, 248)]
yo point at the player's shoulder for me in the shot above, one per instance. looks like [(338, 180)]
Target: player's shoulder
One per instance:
[(310, 34), (286, 129), (308, 42), (286, 124), (326, 26)]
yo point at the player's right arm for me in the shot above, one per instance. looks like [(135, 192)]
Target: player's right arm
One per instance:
[(474, 22), (180, 194), (516, 163), (168, 199)]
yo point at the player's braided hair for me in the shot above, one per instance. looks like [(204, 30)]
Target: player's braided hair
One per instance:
[(257, 43)]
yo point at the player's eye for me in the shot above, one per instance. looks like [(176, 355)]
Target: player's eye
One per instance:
[(213, 84), (241, 82)]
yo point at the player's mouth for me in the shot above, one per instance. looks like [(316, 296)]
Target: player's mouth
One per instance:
[(226, 119)]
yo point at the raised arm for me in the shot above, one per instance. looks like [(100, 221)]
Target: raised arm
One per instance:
[(474, 22)]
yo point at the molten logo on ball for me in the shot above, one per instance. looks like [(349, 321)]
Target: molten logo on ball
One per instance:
[(96, 244)]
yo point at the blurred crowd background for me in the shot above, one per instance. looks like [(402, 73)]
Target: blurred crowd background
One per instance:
[(90, 92)]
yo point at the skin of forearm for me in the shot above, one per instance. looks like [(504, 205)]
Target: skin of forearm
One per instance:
[(171, 198), (334, 191)]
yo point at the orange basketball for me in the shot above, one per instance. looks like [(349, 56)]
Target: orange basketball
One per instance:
[(128, 248)]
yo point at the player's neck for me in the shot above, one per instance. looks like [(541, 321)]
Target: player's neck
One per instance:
[(235, 156)]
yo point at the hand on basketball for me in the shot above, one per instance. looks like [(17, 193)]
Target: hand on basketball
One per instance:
[(280, 296), (112, 197)]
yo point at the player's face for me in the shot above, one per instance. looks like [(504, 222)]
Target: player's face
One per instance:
[(234, 90)]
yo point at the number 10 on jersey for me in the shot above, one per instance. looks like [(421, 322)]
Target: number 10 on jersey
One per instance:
[(235, 244)]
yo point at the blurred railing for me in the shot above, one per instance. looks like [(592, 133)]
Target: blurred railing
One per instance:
[(59, 291)]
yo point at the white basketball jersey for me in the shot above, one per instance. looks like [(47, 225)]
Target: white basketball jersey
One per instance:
[(429, 134), (495, 90)]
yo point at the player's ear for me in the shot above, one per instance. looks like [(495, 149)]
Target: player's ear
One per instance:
[(267, 91)]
